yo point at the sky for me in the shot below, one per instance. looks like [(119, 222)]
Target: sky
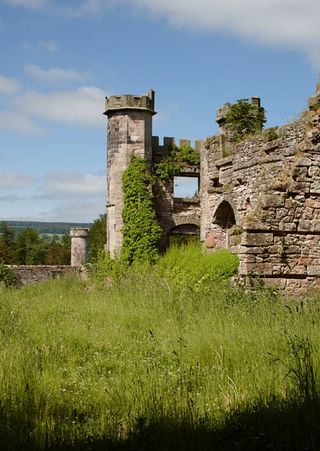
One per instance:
[(61, 58)]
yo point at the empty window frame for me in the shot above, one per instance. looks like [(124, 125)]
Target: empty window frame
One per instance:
[(186, 187)]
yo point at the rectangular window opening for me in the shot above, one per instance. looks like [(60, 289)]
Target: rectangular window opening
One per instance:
[(185, 187)]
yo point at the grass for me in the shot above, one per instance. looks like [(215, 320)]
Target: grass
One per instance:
[(169, 357)]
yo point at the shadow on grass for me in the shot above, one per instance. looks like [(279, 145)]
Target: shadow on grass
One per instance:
[(276, 426)]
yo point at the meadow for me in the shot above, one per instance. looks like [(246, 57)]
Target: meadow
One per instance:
[(170, 357)]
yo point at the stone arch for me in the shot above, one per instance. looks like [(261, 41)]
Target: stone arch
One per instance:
[(224, 219), (183, 233)]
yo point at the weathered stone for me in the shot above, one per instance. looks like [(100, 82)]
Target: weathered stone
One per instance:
[(79, 246), (313, 270), (29, 274), (256, 239), (272, 200)]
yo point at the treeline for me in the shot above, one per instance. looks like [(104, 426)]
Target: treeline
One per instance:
[(28, 247), (47, 228)]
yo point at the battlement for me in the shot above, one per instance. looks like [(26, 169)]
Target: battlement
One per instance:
[(160, 151), (131, 102), (169, 141)]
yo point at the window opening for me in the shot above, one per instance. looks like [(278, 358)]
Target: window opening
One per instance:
[(185, 187)]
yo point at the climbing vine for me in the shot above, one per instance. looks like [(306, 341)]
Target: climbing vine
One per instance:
[(244, 119), (141, 231), (177, 158)]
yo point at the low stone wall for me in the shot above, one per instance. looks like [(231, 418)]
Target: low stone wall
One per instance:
[(28, 274)]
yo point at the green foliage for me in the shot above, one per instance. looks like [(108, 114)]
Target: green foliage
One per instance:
[(31, 249), (189, 268), (97, 238), (7, 244), (141, 231), (7, 276), (315, 106), (244, 119), (59, 253), (177, 158), (271, 134), (27, 247)]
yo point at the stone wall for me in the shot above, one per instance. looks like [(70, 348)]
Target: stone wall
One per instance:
[(28, 274), (263, 201)]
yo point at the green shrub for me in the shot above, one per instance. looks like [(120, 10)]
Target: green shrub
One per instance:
[(7, 276), (192, 268), (244, 119)]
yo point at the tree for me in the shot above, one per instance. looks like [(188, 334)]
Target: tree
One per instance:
[(7, 244), (243, 119), (97, 238), (31, 250), (58, 253)]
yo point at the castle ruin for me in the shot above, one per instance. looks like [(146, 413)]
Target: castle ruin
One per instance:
[(260, 197)]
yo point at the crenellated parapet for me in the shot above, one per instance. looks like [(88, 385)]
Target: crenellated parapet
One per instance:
[(131, 102), (161, 150)]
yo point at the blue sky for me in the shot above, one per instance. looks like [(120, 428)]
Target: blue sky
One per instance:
[(59, 59)]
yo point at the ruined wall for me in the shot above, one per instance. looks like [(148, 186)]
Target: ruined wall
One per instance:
[(272, 187), (28, 274), (175, 215)]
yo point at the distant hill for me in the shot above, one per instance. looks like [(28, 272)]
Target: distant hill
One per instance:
[(47, 228)]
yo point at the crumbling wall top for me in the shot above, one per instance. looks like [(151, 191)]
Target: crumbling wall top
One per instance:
[(315, 100)]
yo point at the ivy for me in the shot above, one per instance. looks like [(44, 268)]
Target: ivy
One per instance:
[(244, 119), (141, 231), (177, 158)]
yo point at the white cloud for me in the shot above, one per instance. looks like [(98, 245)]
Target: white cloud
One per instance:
[(53, 75), (8, 86), (292, 24), (84, 211), (289, 23), (82, 106), (72, 184), (18, 122), (9, 181)]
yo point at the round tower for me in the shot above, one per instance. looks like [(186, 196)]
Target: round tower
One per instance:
[(129, 134), (79, 246)]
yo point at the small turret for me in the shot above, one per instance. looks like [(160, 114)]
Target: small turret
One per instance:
[(79, 246)]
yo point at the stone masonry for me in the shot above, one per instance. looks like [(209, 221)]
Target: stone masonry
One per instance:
[(260, 198)]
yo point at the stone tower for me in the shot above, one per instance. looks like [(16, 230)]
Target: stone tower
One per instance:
[(79, 246), (129, 134)]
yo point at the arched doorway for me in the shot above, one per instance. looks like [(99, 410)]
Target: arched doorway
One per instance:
[(223, 220), (183, 234)]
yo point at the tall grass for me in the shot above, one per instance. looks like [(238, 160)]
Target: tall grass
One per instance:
[(162, 348)]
